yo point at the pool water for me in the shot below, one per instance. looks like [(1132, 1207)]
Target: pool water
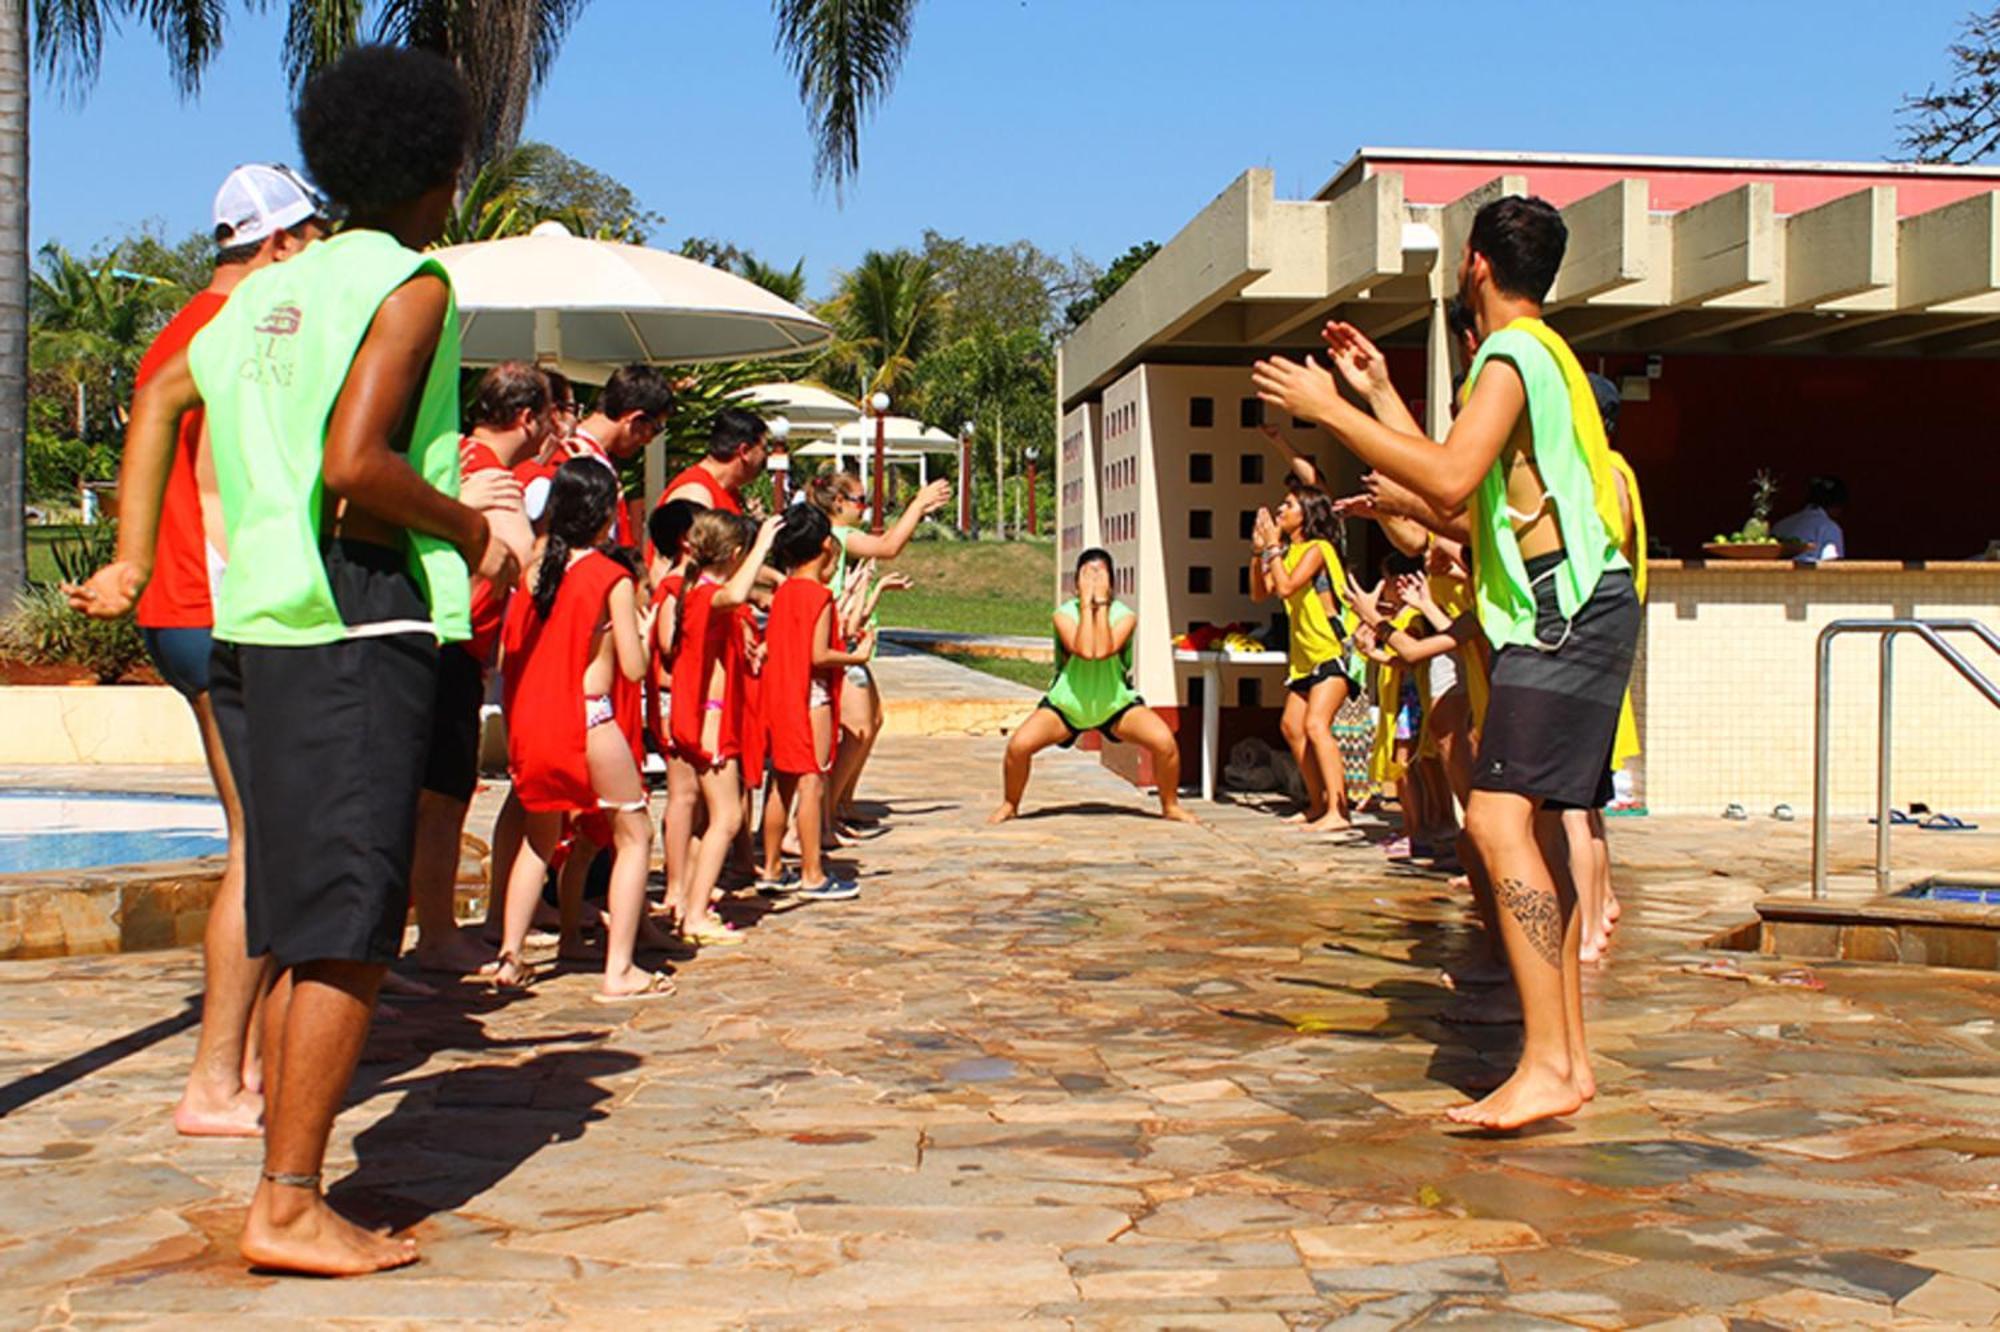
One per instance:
[(56, 830), (1978, 894)]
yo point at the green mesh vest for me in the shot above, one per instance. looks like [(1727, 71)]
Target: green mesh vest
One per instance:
[(1505, 600), (270, 368)]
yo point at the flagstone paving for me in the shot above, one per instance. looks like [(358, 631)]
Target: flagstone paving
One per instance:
[(1083, 1071)]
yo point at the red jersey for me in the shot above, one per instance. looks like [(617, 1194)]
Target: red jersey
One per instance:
[(535, 478), (659, 663), (489, 606), (719, 495), (177, 597), (788, 674), (706, 641), (543, 693), (753, 732), (583, 445)]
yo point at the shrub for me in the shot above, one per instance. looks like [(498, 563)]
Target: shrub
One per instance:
[(43, 629)]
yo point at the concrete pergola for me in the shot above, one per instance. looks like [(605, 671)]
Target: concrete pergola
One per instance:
[(1690, 254)]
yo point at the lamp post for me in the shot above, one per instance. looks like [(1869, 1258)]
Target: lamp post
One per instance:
[(1032, 526), (780, 464), (880, 402), (965, 478)]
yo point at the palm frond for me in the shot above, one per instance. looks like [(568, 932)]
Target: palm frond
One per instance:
[(845, 55), (316, 32), (69, 37)]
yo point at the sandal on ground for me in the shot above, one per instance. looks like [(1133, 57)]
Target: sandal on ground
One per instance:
[(1735, 812), (658, 986), (721, 935), (1942, 822), (1896, 816), (522, 975)]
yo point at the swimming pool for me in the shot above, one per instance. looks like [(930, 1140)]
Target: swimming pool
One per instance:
[(1940, 890), (57, 830)]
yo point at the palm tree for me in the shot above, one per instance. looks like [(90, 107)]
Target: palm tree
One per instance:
[(888, 313), (788, 283), (845, 55), (13, 298)]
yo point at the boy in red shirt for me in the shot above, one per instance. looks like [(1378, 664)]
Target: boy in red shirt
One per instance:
[(803, 662), (263, 215)]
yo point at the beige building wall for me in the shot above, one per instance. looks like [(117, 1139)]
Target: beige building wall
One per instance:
[(1726, 688), (1077, 511), (1210, 469)]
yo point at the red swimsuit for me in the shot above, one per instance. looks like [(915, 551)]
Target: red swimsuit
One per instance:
[(705, 639)]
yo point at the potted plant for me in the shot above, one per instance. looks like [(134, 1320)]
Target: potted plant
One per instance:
[(1753, 540)]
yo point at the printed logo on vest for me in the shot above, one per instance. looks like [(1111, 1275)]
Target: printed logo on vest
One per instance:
[(281, 322)]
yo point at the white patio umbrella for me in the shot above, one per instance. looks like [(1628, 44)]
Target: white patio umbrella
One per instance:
[(904, 440), (585, 307), (813, 410)]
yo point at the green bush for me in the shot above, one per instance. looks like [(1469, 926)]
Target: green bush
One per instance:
[(45, 631)]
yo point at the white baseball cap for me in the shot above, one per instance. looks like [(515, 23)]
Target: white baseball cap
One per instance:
[(258, 200)]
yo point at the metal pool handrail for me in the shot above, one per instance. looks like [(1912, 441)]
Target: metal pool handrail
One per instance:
[(1931, 632)]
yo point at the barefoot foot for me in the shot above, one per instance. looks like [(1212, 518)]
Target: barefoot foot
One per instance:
[(1003, 814), (460, 953), (1534, 1093), (1177, 813), (314, 1240), (210, 1115)]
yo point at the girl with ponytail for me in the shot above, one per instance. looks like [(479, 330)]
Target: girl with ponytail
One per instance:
[(574, 654)]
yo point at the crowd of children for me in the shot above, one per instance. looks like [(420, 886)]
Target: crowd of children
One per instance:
[(725, 651)]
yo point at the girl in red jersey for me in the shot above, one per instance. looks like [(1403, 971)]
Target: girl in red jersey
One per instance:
[(667, 531), (724, 553), (568, 645), (803, 662)]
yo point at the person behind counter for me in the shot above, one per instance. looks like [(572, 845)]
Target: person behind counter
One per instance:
[(1818, 524)]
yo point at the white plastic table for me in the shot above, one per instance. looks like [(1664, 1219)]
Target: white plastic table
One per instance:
[(1211, 662)]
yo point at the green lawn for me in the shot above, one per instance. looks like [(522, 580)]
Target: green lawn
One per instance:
[(41, 555), (1033, 674), (975, 587)]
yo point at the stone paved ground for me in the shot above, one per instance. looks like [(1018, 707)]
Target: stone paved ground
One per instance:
[(1085, 1071)]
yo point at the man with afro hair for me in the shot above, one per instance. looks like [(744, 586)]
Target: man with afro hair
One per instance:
[(331, 389)]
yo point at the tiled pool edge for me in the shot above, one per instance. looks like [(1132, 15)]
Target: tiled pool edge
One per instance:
[(115, 909), (1876, 929)]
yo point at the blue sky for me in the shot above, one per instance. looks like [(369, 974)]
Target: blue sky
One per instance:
[(1084, 124)]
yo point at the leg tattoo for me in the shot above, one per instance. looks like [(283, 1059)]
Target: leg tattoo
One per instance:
[(1539, 916)]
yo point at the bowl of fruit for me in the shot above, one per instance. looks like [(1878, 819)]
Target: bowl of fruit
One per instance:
[(1753, 540)]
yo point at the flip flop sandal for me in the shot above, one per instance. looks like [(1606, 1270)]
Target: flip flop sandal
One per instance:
[(720, 936), (1896, 816), (1735, 812), (1947, 823), (660, 986), (526, 974), (1784, 814)]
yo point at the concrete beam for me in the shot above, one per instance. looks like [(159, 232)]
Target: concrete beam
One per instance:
[(1361, 243), (1725, 244), (1897, 331), (1608, 243), (1949, 253), (1841, 248), (1679, 327), (1982, 338), (1455, 224), (1212, 258)]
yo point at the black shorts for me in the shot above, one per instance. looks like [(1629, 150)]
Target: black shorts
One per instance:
[(452, 769), (1076, 733), (1552, 716), (328, 745), (1332, 669)]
